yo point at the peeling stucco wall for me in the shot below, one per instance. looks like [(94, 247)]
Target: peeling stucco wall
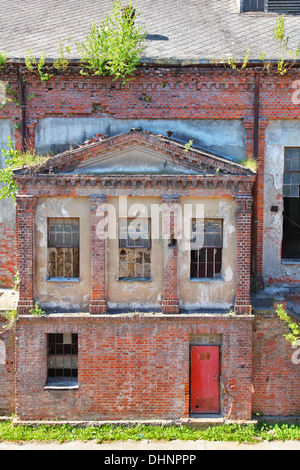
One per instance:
[(138, 294), (135, 294), (279, 134), (214, 293), (62, 294)]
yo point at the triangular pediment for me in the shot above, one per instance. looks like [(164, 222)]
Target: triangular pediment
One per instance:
[(140, 152), (135, 159)]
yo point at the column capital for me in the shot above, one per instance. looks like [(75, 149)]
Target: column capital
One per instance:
[(25, 202), (95, 200), (244, 203)]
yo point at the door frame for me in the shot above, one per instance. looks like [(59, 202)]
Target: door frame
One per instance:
[(219, 345)]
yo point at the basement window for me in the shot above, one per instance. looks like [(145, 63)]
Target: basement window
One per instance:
[(291, 202), (63, 249), (134, 250), (206, 252), (62, 360)]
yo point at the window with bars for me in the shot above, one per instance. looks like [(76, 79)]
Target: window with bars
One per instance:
[(62, 358), (206, 258), (63, 248), (134, 249)]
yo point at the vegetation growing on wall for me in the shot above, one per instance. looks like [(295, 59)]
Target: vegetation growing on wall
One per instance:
[(286, 56), (294, 336), (115, 46), (14, 160)]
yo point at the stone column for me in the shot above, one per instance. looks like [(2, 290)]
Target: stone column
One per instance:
[(243, 264), (98, 210), (25, 239), (170, 303)]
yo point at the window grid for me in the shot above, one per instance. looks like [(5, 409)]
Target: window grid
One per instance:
[(206, 258), (63, 248), (62, 356), (291, 178), (134, 249)]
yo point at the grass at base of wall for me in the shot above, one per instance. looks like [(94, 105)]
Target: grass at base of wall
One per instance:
[(106, 433)]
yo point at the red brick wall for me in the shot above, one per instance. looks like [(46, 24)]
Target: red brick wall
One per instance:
[(276, 369), (8, 258), (131, 367), (139, 368), (7, 371)]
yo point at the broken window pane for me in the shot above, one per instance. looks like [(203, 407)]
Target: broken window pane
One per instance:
[(62, 357), (135, 249)]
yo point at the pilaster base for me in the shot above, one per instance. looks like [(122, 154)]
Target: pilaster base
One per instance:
[(24, 307), (170, 307), (98, 307), (243, 308)]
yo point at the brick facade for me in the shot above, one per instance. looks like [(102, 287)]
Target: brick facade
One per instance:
[(137, 367)]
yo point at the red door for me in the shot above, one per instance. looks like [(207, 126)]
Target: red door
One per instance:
[(204, 379)]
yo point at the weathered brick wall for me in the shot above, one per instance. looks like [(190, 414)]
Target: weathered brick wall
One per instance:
[(7, 370), (181, 93), (8, 254), (276, 369), (131, 367), (139, 368)]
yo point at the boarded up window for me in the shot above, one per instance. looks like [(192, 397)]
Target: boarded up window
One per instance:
[(206, 258), (63, 248), (134, 249)]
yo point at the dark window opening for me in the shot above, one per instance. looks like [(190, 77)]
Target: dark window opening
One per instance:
[(253, 5), (291, 201), (291, 229), (62, 358)]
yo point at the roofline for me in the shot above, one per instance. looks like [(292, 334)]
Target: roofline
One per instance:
[(169, 62)]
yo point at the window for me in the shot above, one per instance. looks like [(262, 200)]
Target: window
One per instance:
[(206, 255), (62, 358), (253, 5), (276, 6), (63, 248), (291, 202), (134, 249)]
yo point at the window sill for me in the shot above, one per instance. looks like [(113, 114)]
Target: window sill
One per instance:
[(206, 279), (134, 279), (63, 279), (62, 385), (290, 261)]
